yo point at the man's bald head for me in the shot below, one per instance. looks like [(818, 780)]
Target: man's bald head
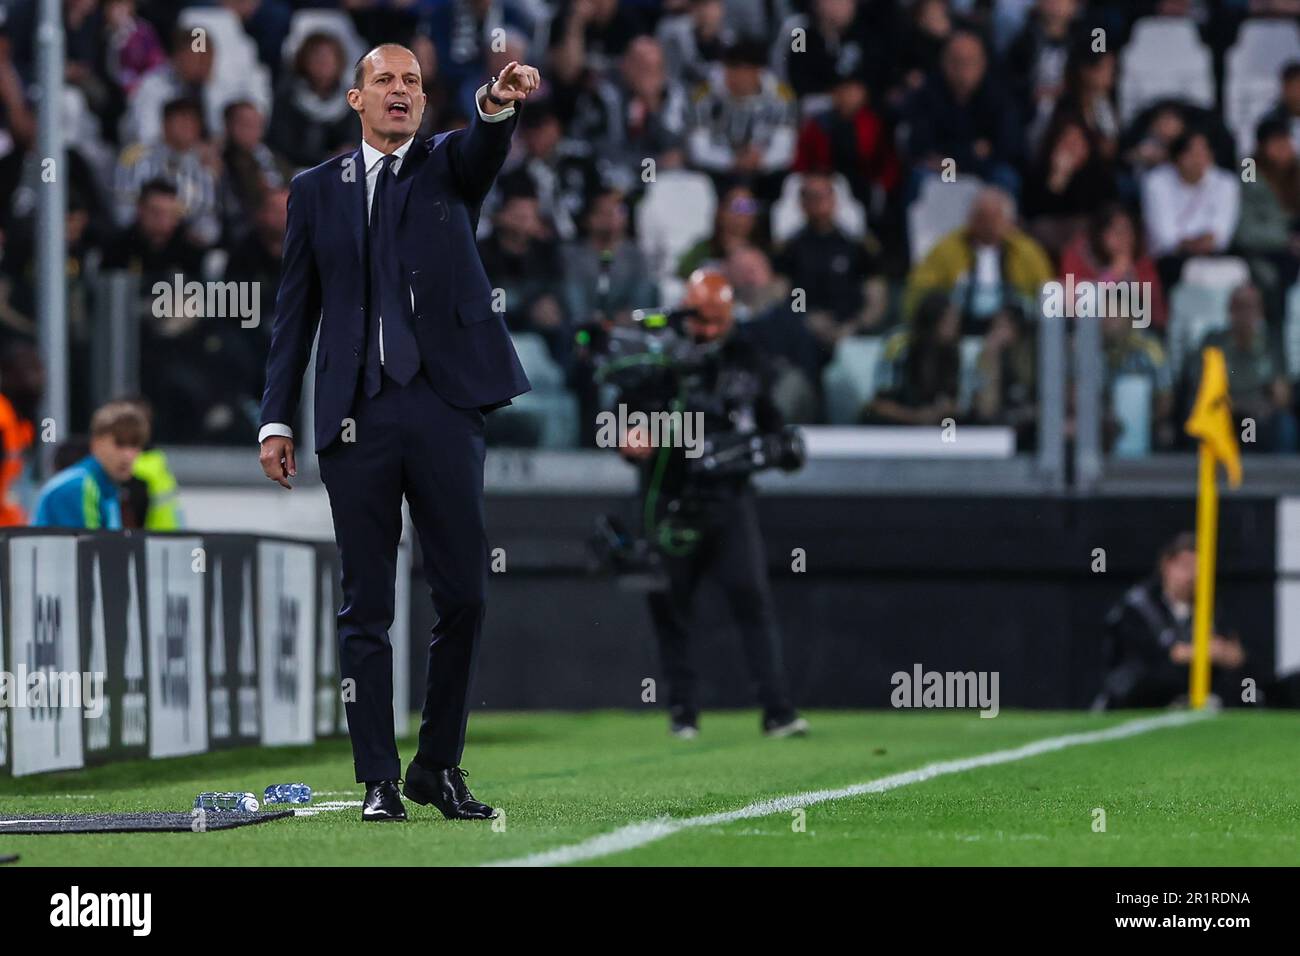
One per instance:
[(708, 298), (366, 60)]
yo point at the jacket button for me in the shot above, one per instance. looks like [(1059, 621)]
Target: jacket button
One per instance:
[(355, 350)]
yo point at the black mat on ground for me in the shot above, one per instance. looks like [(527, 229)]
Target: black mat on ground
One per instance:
[(133, 822), (8, 859)]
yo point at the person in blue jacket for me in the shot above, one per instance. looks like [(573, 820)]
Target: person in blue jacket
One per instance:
[(85, 495)]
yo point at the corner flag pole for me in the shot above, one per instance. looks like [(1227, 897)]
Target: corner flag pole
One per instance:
[(1207, 533), (1211, 422)]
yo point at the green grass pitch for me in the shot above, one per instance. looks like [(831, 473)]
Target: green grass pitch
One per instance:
[(1212, 792)]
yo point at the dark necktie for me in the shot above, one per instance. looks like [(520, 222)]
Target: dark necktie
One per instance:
[(388, 297)]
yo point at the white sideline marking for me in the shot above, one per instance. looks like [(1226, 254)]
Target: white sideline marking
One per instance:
[(326, 806), (648, 831)]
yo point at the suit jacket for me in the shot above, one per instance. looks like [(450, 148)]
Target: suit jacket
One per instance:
[(465, 349)]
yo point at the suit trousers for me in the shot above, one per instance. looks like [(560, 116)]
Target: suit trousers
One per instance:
[(406, 441)]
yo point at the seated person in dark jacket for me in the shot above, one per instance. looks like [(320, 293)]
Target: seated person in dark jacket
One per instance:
[(1150, 637)]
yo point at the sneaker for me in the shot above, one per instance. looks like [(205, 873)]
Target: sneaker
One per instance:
[(684, 725), (789, 725)]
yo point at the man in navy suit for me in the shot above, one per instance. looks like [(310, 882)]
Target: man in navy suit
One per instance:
[(379, 252)]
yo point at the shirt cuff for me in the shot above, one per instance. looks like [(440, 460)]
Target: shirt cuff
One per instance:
[(278, 429), (505, 114)]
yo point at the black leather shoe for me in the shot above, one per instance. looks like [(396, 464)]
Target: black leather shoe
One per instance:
[(382, 802), (446, 790)]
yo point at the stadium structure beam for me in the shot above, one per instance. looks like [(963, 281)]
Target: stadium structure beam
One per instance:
[(51, 246)]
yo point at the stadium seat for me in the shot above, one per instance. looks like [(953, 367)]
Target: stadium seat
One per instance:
[(1130, 399), (849, 381), (676, 213), (550, 406), (1164, 58), (1291, 332), (788, 218), (1215, 272), (1252, 75), (938, 210), (1194, 311), (334, 22)]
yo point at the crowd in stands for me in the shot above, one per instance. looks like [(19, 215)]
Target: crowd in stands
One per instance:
[(886, 183)]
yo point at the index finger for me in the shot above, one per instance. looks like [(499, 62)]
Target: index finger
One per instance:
[(509, 70)]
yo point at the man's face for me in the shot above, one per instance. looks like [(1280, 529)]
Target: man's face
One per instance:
[(116, 459), (743, 79), (608, 217), (1195, 160), (818, 200), (712, 318), (391, 100), (182, 131), (707, 17), (1291, 95), (519, 218), (1245, 313), (245, 127), (159, 216), (643, 67), (836, 14), (988, 220), (963, 65), (194, 66), (1179, 576)]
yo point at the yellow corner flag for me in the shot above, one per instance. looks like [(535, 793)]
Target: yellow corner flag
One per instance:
[(1211, 422)]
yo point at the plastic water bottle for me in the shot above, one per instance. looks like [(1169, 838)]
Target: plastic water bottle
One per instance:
[(287, 793), (218, 802)]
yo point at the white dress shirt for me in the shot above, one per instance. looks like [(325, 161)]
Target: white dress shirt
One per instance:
[(372, 159), (1176, 210)]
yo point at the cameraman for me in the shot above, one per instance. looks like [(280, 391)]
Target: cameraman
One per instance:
[(706, 526)]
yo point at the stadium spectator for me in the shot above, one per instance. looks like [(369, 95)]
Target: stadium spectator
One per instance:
[(766, 319), (133, 47), (1131, 351), (1006, 389), (919, 49), (22, 385), (462, 32), (185, 160), (1149, 637), (1257, 379), (832, 270), (559, 172), (257, 256), (641, 115), (919, 373), (439, 114), (1069, 180), (587, 38), (962, 114), (736, 224), (85, 495), (852, 139), (605, 274), (186, 75), (154, 246), (267, 22), (249, 169), (1190, 206), (1268, 233), (693, 42), (524, 261), (984, 265), (312, 120), (1110, 250), (1089, 97), (743, 121), (840, 37), (1287, 110), (1036, 59)]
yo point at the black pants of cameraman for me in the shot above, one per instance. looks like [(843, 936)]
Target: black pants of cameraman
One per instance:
[(730, 552)]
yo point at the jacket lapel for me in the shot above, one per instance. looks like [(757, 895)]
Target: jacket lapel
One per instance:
[(411, 163), (354, 206)]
